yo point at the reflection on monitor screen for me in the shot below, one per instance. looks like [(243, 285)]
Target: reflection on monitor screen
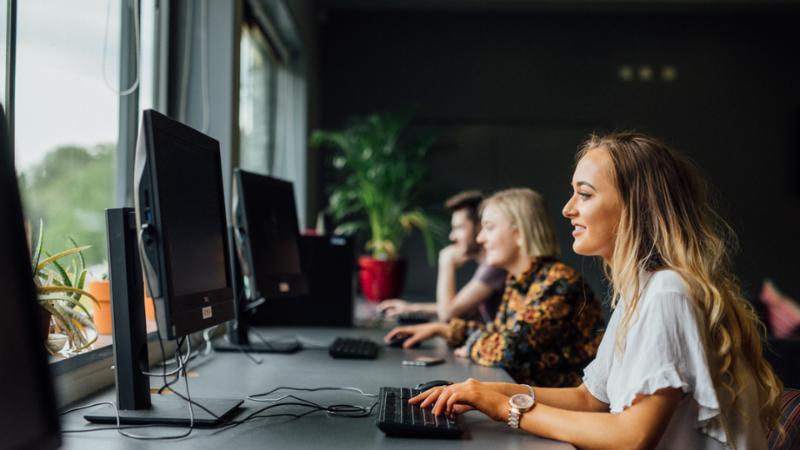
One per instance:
[(196, 227)]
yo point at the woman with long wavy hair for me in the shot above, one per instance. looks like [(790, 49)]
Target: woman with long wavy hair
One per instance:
[(680, 365)]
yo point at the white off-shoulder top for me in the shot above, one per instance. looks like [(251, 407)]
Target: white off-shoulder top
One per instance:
[(664, 348)]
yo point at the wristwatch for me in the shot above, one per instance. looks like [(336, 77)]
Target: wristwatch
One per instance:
[(518, 405)]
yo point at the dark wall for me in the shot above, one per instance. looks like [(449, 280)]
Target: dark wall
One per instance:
[(518, 91)]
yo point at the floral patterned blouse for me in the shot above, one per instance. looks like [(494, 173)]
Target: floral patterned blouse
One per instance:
[(547, 329)]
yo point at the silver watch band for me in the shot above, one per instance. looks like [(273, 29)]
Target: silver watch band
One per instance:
[(530, 389)]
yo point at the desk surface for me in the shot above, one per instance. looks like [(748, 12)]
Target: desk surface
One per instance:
[(233, 375)]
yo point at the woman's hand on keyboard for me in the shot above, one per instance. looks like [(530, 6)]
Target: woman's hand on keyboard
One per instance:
[(418, 333), (462, 397)]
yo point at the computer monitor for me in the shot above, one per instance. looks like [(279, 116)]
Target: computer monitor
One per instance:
[(180, 215), (179, 235), (27, 401), (267, 254), (267, 236)]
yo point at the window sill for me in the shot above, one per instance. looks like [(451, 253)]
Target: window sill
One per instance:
[(87, 373)]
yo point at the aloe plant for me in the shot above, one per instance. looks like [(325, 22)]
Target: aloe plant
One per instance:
[(380, 176), (59, 292)]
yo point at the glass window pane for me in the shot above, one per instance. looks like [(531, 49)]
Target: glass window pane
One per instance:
[(256, 102), (67, 119)]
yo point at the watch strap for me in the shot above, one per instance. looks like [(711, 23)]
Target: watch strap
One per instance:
[(513, 417)]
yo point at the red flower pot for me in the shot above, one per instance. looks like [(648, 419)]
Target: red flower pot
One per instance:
[(381, 279)]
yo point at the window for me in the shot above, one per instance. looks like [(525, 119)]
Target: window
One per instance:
[(66, 116), (66, 120), (256, 102)]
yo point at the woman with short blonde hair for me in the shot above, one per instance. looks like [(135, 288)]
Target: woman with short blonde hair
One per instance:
[(528, 211), (549, 324)]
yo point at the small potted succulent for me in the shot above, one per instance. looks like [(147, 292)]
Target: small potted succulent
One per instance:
[(59, 291), (378, 187)]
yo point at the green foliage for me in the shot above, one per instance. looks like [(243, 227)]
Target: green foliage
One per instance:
[(69, 190), (379, 181), (59, 292)]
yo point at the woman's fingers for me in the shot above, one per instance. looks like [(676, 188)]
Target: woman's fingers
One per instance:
[(428, 397), (398, 331), (461, 409)]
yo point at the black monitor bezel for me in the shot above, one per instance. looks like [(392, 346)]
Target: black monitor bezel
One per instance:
[(299, 283), (178, 315)]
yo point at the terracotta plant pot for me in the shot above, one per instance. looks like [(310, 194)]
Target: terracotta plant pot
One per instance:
[(101, 316), (381, 280), (149, 308)]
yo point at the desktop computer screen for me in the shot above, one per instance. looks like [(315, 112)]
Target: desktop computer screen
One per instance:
[(27, 401), (180, 214), (267, 236), (267, 256), (177, 236)]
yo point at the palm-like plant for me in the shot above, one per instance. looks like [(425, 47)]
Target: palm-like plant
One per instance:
[(379, 182), (60, 294)]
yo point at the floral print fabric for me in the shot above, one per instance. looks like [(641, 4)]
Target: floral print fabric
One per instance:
[(547, 329)]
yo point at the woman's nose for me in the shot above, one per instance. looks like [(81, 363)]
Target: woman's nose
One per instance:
[(568, 211)]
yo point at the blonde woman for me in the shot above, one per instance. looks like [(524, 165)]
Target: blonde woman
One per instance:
[(549, 324), (680, 365)]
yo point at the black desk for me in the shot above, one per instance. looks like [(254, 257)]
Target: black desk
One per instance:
[(233, 375)]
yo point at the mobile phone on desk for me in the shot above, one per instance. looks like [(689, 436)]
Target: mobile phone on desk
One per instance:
[(423, 361)]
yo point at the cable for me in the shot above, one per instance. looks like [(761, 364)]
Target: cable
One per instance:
[(253, 398), (278, 339), (258, 362), (204, 63), (105, 48), (187, 59), (187, 62)]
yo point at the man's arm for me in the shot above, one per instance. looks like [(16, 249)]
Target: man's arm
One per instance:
[(465, 302)]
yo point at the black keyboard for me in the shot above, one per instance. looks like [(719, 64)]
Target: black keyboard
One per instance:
[(354, 348), (397, 418), (412, 318)]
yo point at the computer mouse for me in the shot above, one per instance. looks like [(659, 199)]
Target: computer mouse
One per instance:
[(398, 340), (431, 384)]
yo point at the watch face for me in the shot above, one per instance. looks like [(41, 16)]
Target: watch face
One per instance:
[(521, 401)]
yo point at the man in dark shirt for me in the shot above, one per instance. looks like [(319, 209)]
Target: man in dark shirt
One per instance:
[(479, 298)]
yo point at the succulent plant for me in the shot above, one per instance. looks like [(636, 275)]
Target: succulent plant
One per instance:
[(60, 292)]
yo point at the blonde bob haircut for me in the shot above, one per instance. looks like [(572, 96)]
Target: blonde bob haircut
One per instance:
[(528, 212), (669, 222)]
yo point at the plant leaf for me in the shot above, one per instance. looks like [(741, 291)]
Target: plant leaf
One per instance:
[(50, 290), (37, 252), (80, 256), (65, 281), (79, 285), (53, 258), (68, 300)]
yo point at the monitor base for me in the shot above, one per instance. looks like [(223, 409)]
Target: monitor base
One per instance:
[(168, 412), (222, 345)]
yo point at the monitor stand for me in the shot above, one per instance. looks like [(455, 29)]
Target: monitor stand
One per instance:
[(135, 402), (237, 338)]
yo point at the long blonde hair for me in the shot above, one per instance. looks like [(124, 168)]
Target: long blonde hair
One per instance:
[(668, 223), (527, 210)]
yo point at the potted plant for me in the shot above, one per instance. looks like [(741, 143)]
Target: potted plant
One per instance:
[(59, 290), (378, 187)]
